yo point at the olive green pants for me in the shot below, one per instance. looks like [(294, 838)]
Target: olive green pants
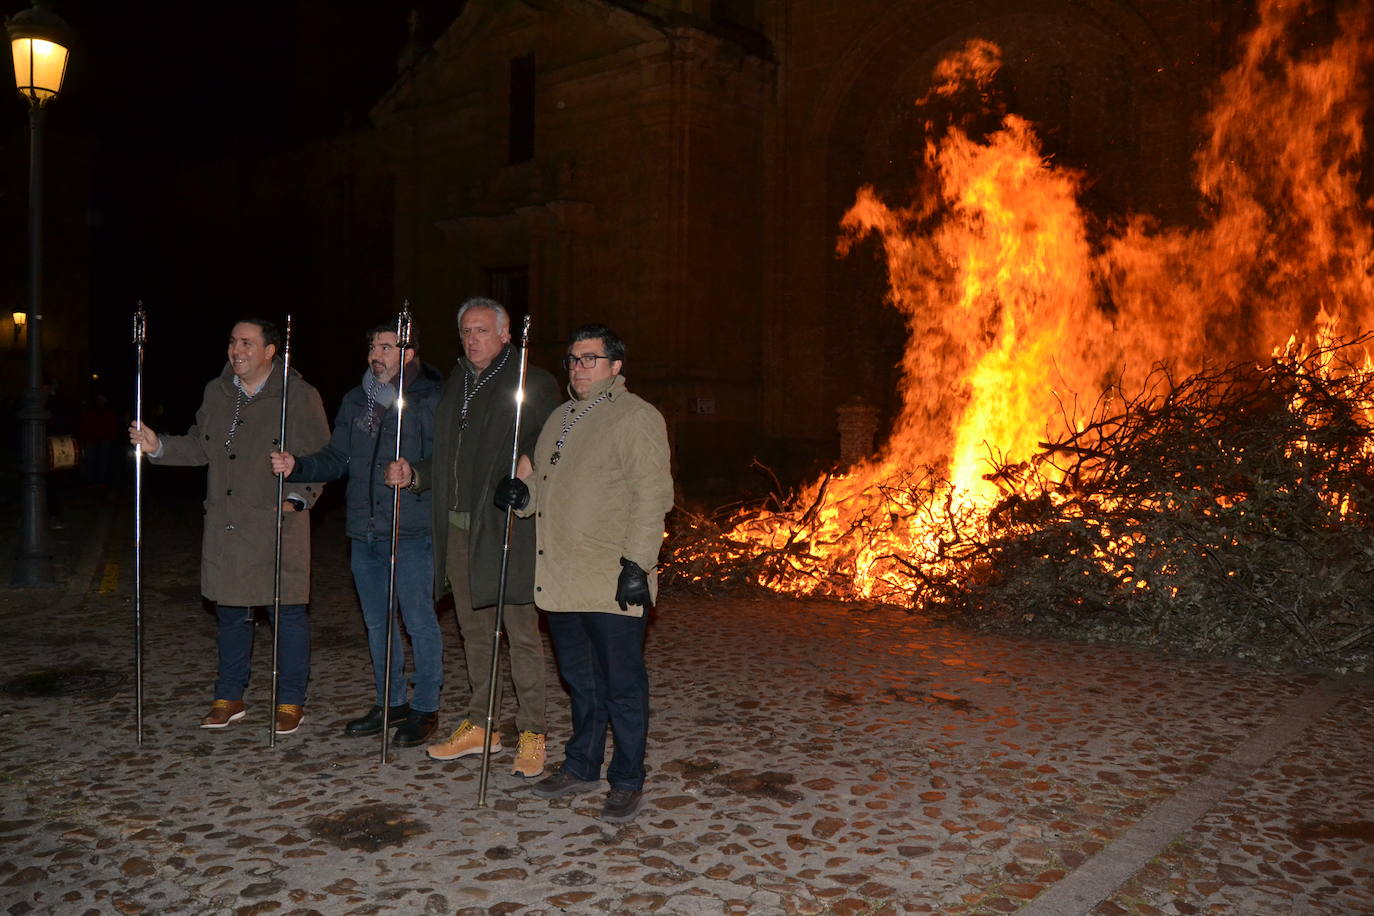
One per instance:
[(520, 625)]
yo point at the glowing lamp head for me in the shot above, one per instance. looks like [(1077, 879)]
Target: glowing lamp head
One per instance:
[(39, 40)]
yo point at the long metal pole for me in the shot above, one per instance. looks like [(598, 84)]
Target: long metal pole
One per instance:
[(494, 682), (402, 343), (140, 338), (33, 565), (276, 573)]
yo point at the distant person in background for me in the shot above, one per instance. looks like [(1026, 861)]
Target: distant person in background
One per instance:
[(100, 433)]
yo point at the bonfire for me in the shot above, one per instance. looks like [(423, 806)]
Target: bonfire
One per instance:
[(1127, 430)]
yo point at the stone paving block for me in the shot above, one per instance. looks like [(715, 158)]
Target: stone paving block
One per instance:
[(780, 780)]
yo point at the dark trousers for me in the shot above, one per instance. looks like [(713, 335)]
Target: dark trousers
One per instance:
[(601, 657), (236, 652), (371, 561)]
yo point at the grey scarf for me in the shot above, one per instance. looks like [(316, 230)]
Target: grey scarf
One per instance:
[(380, 396)]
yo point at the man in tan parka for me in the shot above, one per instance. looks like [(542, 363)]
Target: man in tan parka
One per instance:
[(598, 485)]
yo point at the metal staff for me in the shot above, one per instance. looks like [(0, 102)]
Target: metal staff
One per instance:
[(140, 338), (494, 685), (276, 573), (402, 343)]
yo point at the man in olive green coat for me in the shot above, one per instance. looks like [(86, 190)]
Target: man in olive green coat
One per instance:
[(237, 427), (474, 429)]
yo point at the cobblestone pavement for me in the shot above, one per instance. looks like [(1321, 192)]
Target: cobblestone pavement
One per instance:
[(805, 757)]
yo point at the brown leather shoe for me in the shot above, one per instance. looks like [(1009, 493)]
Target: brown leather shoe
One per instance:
[(222, 712), (289, 717)]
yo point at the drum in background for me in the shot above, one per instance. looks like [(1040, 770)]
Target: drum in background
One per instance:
[(63, 453)]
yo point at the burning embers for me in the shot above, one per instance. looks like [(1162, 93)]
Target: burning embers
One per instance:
[(1008, 484)]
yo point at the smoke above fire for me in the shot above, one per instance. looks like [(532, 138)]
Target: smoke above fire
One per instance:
[(1022, 308)]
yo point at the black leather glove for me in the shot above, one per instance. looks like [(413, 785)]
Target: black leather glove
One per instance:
[(633, 585), (511, 493)]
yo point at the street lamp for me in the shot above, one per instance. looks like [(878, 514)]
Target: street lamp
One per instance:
[(38, 42)]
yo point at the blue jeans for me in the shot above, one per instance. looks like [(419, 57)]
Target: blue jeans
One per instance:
[(371, 561), (236, 653), (601, 657)]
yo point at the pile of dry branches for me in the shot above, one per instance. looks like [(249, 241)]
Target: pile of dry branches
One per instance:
[(1229, 513)]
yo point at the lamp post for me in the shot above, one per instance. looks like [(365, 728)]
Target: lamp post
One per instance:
[(38, 42)]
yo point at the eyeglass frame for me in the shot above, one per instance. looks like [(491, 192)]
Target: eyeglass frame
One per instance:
[(581, 360)]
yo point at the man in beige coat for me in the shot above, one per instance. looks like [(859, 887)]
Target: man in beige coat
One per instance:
[(236, 428), (598, 485)]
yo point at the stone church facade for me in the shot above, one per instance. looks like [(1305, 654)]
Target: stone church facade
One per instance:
[(677, 169)]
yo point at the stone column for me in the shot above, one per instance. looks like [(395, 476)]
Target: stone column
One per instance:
[(857, 421)]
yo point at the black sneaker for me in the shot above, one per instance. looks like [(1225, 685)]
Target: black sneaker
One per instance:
[(561, 782), (371, 724), (416, 729), (621, 806)]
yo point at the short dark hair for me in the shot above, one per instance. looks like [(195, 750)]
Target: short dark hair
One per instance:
[(389, 327), (615, 347), (271, 337)]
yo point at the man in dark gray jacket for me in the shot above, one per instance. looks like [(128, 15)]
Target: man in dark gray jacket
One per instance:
[(474, 432), (364, 442)]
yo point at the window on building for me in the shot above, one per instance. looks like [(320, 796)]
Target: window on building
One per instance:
[(521, 143), (734, 12), (510, 286)]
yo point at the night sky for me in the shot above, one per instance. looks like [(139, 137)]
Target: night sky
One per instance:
[(159, 90), (165, 84)]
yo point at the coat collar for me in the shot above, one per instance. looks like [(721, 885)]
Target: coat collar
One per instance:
[(615, 384), (271, 387), (470, 369)]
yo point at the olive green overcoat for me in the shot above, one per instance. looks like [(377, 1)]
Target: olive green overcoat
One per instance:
[(491, 426)]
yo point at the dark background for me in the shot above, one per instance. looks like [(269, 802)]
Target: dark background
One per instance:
[(158, 90), (220, 161)]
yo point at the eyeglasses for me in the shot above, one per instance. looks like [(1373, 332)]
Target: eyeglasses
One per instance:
[(586, 360)]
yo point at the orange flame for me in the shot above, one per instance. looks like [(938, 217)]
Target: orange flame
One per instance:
[(1015, 309), (1289, 234)]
